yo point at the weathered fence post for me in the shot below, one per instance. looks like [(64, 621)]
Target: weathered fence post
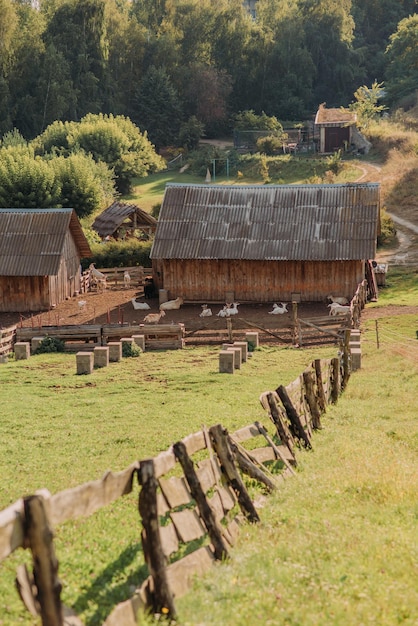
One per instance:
[(320, 385), (226, 459), (162, 596), (282, 428), (295, 332), (298, 429), (346, 359), (45, 565), (308, 384), (206, 513), (335, 380)]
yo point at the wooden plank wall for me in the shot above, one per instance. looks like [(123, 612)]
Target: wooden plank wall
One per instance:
[(259, 281)]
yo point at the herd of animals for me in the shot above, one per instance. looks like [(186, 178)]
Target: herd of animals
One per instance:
[(339, 305)]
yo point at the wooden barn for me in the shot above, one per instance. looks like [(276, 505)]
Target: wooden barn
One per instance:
[(40, 253), (335, 128), (122, 220), (264, 243)]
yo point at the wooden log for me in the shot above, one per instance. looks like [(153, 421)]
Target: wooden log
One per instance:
[(346, 360), (248, 465), (322, 401), (296, 424), (277, 451), (206, 513), (45, 565), (335, 380), (162, 596), (282, 428), (226, 459), (311, 400)]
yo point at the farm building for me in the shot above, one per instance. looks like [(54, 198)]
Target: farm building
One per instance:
[(122, 220), (336, 129), (264, 243), (40, 252)]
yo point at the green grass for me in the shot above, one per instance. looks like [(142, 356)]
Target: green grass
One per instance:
[(401, 288), (336, 545)]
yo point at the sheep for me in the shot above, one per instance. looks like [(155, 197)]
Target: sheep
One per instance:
[(338, 309), (126, 279), (338, 300), (97, 277), (139, 305), (206, 311), (279, 309), (171, 304), (154, 318)]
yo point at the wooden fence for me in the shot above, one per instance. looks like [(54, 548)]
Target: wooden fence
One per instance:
[(208, 501)]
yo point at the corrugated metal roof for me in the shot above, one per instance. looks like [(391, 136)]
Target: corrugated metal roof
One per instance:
[(274, 222), (32, 240), (109, 221)]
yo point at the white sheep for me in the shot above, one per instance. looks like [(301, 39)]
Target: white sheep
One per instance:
[(338, 300), (139, 305), (338, 309), (279, 309), (126, 279), (171, 304), (206, 311), (153, 318)]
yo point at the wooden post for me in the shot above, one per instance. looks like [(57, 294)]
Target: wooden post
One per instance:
[(45, 565), (248, 466), (229, 328), (346, 359), (206, 513), (283, 431), (311, 399), (162, 596), (226, 459), (320, 385), (376, 323), (292, 414), (335, 380), (295, 324)]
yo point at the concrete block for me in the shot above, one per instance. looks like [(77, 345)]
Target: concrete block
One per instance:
[(355, 359), (35, 343), (85, 361), (101, 356), (115, 351), (22, 350), (226, 362), (237, 356), (244, 346), (253, 338), (140, 341)]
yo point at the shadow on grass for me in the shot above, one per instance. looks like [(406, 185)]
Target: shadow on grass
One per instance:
[(105, 592)]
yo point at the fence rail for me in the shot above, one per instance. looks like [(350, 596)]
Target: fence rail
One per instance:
[(209, 499)]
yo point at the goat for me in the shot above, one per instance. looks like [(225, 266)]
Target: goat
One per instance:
[(153, 318), (139, 305), (279, 309), (171, 304), (338, 309), (206, 311), (97, 277), (82, 305), (126, 279), (222, 312), (338, 300), (228, 310)]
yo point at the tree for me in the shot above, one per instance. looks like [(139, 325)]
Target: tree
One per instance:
[(402, 56), (366, 106), (190, 133), (27, 181), (158, 107)]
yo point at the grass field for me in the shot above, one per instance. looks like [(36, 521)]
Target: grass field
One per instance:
[(337, 544)]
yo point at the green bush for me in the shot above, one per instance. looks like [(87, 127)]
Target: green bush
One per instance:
[(387, 229), (130, 349), (50, 344), (129, 253)]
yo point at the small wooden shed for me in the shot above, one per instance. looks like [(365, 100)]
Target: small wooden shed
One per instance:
[(40, 253), (264, 243), (335, 127), (121, 220)]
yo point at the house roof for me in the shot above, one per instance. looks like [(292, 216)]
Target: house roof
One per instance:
[(334, 117), (268, 222), (32, 240), (109, 221)]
